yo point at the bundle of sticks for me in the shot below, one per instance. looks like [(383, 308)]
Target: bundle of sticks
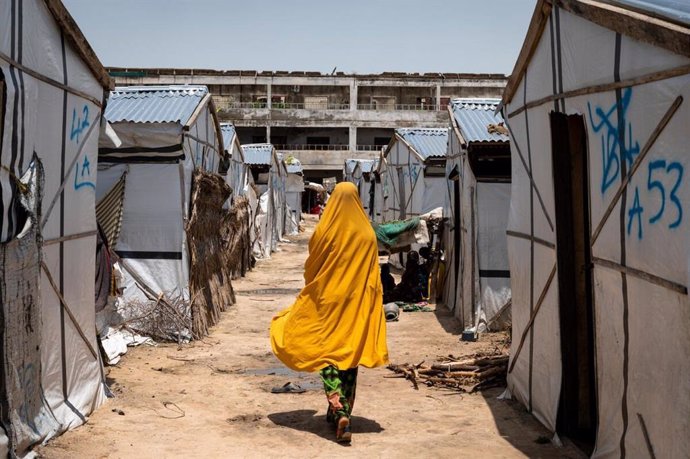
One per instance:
[(466, 374)]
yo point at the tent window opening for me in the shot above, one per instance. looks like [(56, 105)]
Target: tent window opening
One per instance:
[(577, 411), (490, 163), (435, 168)]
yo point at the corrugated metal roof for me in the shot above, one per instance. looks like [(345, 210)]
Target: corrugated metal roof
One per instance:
[(154, 104), (675, 10), (258, 154), (228, 132), (428, 142), (474, 117)]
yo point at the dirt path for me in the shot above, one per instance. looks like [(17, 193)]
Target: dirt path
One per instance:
[(212, 398)]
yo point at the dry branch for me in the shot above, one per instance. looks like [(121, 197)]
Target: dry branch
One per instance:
[(470, 374)]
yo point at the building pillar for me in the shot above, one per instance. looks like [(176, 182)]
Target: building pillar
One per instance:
[(438, 97), (268, 97), (353, 97), (268, 134), (353, 139)]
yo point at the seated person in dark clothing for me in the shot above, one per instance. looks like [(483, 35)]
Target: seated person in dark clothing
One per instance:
[(412, 286), (387, 282)]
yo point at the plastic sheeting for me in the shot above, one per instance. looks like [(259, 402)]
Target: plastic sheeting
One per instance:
[(642, 331), (477, 274), (411, 193), (62, 129)]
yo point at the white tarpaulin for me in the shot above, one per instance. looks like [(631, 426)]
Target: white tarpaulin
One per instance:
[(635, 142), (413, 191), (51, 91)]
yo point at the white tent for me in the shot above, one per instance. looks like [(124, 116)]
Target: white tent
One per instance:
[(238, 176), (415, 164), (52, 92), (599, 242), (477, 279), (166, 132), (382, 190), (269, 175), (348, 169), (294, 187), (366, 181)]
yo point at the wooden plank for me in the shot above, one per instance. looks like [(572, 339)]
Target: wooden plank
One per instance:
[(643, 153), (65, 306), (641, 26), (535, 311), (540, 18), (644, 79), (197, 111), (50, 81), (639, 274), (537, 240), (80, 43), (69, 238)]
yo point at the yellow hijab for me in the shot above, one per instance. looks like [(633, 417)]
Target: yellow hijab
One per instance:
[(338, 316)]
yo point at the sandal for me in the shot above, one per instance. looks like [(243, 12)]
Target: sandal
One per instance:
[(343, 433), (288, 388)]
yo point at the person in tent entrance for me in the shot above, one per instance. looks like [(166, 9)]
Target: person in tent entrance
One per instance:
[(337, 322)]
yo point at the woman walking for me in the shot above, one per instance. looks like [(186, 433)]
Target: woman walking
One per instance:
[(337, 322)]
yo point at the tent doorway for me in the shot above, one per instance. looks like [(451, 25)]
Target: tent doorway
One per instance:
[(401, 194), (577, 412)]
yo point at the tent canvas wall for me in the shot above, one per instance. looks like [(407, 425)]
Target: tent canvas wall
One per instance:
[(599, 244), (237, 172), (415, 164), (477, 280), (52, 92), (269, 176), (364, 171), (294, 187), (382, 191), (166, 132)]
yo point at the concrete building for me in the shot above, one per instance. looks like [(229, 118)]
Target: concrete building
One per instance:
[(323, 119)]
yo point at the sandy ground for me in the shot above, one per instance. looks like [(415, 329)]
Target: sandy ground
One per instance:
[(212, 398)]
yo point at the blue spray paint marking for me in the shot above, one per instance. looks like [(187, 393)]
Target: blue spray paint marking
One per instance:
[(612, 152), (659, 171), (675, 166), (82, 175), (414, 173), (636, 211), (79, 124)]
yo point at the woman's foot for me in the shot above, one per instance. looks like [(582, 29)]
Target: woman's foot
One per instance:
[(343, 434)]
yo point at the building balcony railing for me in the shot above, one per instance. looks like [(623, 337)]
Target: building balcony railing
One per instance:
[(399, 107), (303, 147), (369, 147), (288, 106), (323, 106)]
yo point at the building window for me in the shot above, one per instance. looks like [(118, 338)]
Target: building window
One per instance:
[(381, 141), (318, 140), (258, 139)]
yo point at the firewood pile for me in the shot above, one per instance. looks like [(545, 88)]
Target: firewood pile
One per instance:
[(465, 374)]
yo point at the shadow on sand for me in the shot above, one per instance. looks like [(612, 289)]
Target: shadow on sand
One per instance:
[(309, 421), (445, 317)]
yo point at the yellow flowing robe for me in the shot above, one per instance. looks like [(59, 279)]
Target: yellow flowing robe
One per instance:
[(338, 316)]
